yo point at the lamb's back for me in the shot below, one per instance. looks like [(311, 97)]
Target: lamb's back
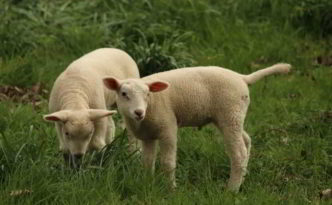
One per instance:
[(85, 74), (106, 62), (196, 94)]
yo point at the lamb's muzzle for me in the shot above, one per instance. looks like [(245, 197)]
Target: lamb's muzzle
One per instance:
[(139, 114)]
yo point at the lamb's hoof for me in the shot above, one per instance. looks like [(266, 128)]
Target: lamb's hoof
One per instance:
[(173, 187), (233, 188)]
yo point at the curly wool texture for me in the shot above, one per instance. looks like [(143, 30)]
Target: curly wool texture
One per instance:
[(195, 96), (79, 92)]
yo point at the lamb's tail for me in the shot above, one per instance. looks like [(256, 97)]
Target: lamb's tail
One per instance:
[(277, 68)]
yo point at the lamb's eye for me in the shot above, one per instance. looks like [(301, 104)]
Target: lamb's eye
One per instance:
[(125, 95), (67, 134)]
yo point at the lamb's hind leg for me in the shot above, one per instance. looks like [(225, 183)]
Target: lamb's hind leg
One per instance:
[(237, 151), (247, 142)]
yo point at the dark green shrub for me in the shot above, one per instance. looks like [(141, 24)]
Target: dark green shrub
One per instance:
[(314, 16), (159, 53)]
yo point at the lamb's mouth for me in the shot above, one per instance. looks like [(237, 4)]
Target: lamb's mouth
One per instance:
[(139, 118)]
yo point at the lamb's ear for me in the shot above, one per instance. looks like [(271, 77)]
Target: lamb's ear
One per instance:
[(157, 86), (56, 116), (111, 83), (96, 114)]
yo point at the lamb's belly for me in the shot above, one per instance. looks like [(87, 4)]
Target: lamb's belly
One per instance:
[(193, 114), (194, 121)]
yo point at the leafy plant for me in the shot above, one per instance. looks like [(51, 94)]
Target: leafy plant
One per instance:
[(313, 15)]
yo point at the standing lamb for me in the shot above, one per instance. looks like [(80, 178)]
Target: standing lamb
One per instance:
[(191, 97), (79, 100)]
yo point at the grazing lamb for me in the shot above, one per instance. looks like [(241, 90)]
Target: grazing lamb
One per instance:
[(79, 100), (190, 97)]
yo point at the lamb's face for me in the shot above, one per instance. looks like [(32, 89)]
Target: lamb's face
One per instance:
[(77, 132), (133, 95), (77, 129), (132, 99)]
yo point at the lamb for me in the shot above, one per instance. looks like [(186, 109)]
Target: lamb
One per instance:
[(193, 97), (78, 101)]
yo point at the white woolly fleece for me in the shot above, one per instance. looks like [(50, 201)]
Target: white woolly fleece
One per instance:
[(195, 96), (79, 99)]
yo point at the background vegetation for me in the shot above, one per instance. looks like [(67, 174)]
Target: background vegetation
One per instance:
[(289, 119)]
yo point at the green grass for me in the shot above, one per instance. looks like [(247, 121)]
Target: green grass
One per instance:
[(289, 119)]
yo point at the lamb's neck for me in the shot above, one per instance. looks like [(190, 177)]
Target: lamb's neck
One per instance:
[(132, 124), (74, 100)]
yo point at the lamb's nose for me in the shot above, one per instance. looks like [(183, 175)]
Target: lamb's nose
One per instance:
[(139, 112)]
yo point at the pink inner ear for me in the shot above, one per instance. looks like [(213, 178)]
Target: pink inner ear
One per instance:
[(52, 118), (158, 86), (111, 83)]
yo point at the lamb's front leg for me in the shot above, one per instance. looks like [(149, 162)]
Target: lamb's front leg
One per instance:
[(99, 136), (168, 146), (134, 143), (149, 154), (110, 134), (62, 146)]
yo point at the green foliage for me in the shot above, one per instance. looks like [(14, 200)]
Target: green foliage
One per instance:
[(64, 26), (313, 15), (289, 119), (155, 57)]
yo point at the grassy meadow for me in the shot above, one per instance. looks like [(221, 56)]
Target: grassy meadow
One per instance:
[(289, 119)]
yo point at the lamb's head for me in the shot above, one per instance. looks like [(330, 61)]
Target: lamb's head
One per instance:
[(133, 94), (77, 128)]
